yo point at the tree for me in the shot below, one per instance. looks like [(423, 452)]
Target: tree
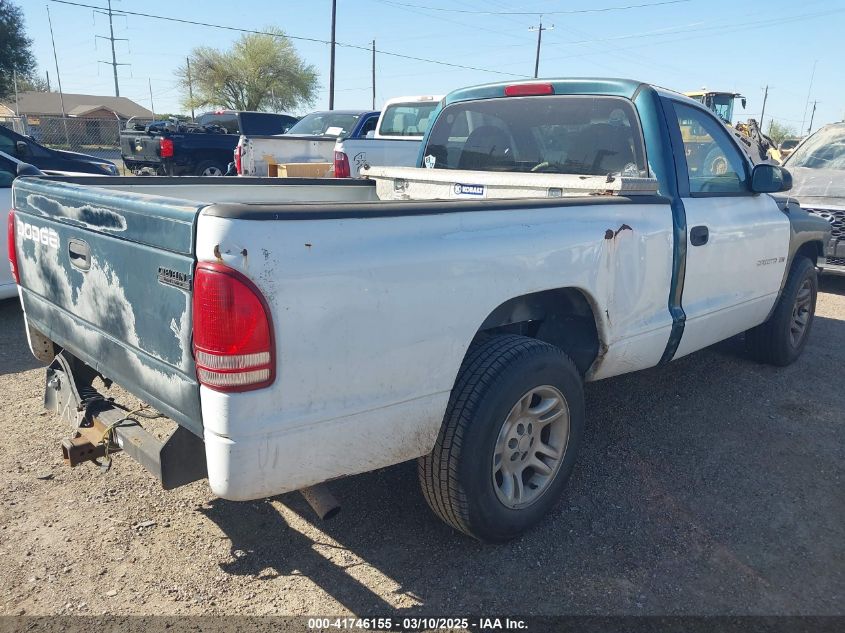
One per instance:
[(34, 82), (15, 53), (260, 72), (778, 131)]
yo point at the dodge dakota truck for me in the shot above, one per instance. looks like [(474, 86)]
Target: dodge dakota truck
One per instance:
[(395, 142), (299, 331)]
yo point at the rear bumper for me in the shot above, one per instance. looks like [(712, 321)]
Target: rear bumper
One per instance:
[(296, 455)]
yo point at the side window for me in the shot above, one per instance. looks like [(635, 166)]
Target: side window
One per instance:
[(714, 163), (8, 170), (369, 126), (7, 144)]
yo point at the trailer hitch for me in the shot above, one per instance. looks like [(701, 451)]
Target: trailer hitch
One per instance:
[(101, 427)]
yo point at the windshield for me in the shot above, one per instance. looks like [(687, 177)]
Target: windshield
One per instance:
[(823, 150), (549, 134), (406, 119), (325, 124), (789, 143), (722, 105)]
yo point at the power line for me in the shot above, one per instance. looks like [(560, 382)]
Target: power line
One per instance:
[(544, 12), (298, 38)]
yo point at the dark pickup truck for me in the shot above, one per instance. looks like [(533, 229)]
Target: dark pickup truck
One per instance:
[(204, 148)]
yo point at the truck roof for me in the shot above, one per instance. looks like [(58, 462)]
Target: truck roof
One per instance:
[(612, 87), (413, 99)]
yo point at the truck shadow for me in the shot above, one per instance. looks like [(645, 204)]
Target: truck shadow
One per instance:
[(834, 284), (14, 349), (688, 480)]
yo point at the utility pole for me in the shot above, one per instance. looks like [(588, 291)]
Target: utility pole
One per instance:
[(58, 77), (763, 112), (331, 65), (48, 81), (112, 39), (152, 105), (15, 81), (539, 30), (374, 74), (812, 116), (809, 92), (190, 88)]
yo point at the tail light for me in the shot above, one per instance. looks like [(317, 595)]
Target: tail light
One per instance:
[(13, 252), (233, 333), (529, 90), (165, 146), (238, 158), (341, 165)]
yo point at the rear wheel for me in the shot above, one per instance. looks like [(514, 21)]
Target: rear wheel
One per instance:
[(210, 168), (781, 339), (509, 438)]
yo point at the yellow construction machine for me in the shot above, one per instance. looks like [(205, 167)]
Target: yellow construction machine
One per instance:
[(759, 146)]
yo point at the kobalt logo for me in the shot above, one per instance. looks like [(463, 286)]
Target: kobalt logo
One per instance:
[(468, 190), (44, 235)]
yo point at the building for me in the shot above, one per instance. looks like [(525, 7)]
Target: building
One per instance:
[(35, 104), (91, 120)]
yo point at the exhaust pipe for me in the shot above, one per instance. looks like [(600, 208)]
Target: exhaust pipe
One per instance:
[(322, 501)]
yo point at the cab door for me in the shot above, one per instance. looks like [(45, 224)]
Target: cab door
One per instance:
[(737, 241)]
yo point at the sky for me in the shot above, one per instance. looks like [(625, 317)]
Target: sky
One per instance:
[(739, 45)]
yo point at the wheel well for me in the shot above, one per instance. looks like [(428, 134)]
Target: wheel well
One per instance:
[(562, 317), (810, 250)]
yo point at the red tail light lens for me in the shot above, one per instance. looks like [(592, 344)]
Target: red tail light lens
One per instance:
[(238, 160), (529, 90), (165, 146), (341, 165), (233, 333), (13, 251)]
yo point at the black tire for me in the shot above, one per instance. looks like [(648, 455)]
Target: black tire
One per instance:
[(773, 341), (457, 477), (204, 165)]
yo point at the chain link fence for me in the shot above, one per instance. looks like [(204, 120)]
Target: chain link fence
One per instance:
[(95, 136)]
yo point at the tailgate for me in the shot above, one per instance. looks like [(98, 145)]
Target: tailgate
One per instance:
[(140, 147), (107, 275)]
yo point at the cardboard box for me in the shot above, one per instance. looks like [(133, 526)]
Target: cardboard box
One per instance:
[(298, 170)]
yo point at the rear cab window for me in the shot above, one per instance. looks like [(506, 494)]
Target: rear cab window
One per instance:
[(265, 123), (561, 134), (406, 119), (325, 124), (226, 120)]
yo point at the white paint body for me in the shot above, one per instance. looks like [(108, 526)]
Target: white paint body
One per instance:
[(257, 152), (394, 152), (373, 317), (7, 284)]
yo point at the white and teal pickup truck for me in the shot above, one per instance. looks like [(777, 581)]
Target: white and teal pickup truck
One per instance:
[(299, 331)]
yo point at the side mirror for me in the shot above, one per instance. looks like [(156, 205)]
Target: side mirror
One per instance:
[(766, 178), (23, 149)]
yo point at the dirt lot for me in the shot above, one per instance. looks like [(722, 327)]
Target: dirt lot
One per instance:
[(710, 486)]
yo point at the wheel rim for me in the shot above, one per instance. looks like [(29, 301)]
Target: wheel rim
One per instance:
[(212, 171), (530, 447), (801, 313)]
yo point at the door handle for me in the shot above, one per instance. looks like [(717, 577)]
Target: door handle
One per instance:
[(80, 254), (698, 235)]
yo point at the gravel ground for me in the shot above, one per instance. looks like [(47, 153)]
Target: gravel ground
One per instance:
[(713, 485)]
